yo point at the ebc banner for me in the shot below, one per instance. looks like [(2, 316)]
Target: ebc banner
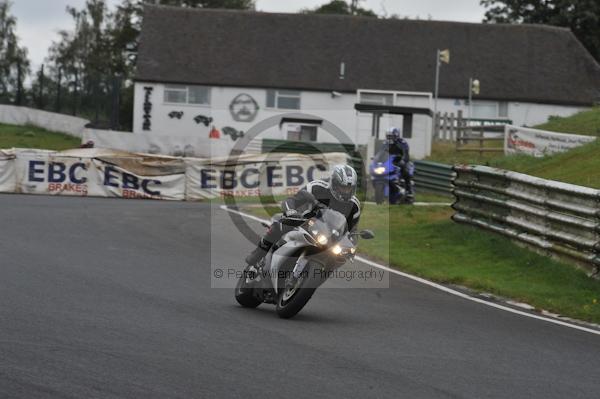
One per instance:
[(56, 174), (115, 181), (44, 173), (8, 173), (255, 175)]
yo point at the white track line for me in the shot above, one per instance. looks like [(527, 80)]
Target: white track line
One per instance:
[(443, 288)]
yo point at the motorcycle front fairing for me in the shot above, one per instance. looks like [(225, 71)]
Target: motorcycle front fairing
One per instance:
[(301, 244), (294, 245), (383, 169)]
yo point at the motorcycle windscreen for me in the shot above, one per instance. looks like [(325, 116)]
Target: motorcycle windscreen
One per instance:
[(331, 223), (381, 156)]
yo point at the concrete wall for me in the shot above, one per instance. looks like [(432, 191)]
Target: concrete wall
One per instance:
[(62, 123)]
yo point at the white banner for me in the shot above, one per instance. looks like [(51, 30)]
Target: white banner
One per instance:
[(116, 181), (44, 173), (253, 175), (538, 143), (8, 178), (100, 173), (108, 173)]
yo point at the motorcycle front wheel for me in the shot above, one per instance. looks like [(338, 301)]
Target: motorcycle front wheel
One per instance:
[(244, 294), (295, 296), (379, 193)]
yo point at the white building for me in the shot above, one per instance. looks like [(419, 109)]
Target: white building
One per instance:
[(215, 70)]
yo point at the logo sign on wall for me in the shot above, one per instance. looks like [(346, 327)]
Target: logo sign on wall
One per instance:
[(243, 108)]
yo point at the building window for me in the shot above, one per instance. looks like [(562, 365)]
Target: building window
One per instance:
[(485, 110), (178, 94), (377, 98), (302, 133), (283, 99), (490, 110)]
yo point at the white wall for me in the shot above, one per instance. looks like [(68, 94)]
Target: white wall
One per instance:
[(338, 110), (62, 123), (521, 114)]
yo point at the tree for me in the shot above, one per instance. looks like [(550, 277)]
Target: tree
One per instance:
[(232, 4), (14, 65), (581, 16), (90, 68), (84, 60), (341, 7)]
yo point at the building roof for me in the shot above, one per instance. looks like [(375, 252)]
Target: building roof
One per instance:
[(529, 63)]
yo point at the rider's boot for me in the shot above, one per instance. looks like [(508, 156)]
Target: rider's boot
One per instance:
[(258, 253), (410, 194)]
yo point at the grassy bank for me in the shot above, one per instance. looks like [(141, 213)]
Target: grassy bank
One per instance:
[(424, 242), (445, 152), (586, 123), (579, 166), (33, 137)]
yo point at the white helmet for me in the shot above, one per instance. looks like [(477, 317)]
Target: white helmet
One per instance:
[(344, 181), (393, 134)]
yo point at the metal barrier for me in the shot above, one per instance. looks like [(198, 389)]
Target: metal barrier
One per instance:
[(434, 177), (557, 218)]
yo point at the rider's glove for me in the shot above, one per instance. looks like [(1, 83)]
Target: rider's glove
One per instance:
[(291, 213)]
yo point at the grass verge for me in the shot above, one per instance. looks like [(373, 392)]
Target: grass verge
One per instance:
[(34, 137), (423, 241), (585, 123), (579, 166)]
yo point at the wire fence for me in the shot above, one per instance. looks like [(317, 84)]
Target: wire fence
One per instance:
[(106, 101)]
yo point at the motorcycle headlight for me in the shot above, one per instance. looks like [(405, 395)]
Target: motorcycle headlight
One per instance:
[(321, 239), (336, 249), (352, 251), (379, 170)]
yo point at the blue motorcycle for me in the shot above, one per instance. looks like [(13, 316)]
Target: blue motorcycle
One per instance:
[(387, 179)]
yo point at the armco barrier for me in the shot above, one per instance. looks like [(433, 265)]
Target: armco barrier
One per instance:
[(557, 218), (434, 177)]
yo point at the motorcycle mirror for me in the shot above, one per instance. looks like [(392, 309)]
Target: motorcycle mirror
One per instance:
[(366, 234)]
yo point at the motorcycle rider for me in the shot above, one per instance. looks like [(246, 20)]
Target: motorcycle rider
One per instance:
[(337, 194), (399, 147)]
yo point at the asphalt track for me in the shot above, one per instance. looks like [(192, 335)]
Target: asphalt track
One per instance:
[(108, 298)]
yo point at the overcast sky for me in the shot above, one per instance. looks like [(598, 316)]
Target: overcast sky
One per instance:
[(39, 20)]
